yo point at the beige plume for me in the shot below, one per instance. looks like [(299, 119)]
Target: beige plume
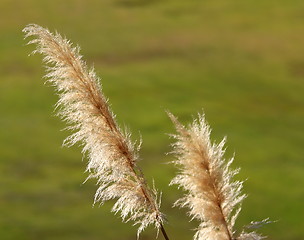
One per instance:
[(112, 157), (212, 195)]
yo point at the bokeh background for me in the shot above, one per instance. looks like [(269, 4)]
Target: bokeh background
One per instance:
[(241, 62)]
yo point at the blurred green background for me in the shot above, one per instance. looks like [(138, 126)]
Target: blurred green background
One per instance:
[(242, 62)]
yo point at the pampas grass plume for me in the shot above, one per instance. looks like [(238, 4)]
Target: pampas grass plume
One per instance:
[(212, 196), (112, 156)]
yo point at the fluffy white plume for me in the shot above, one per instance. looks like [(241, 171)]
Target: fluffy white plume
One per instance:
[(212, 195), (112, 156)]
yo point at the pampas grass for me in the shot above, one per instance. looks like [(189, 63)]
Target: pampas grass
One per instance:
[(212, 196), (211, 193), (112, 156)]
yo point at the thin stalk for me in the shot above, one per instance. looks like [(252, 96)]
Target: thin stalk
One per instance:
[(164, 232)]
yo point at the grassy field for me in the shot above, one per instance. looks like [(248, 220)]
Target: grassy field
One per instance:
[(242, 62)]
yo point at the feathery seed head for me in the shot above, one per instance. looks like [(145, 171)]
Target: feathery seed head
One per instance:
[(212, 196), (112, 156)]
